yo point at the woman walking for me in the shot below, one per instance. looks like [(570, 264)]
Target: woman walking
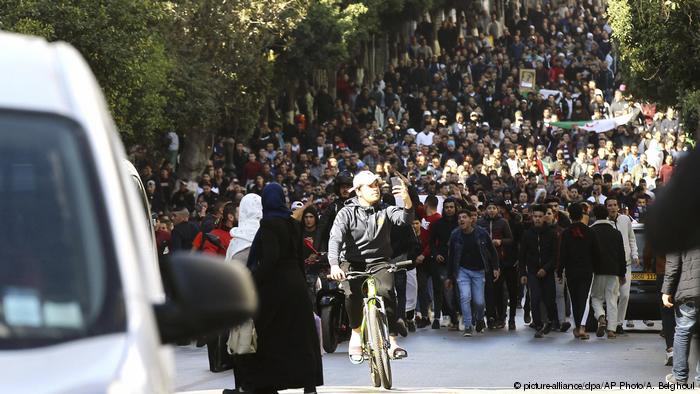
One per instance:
[(288, 350)]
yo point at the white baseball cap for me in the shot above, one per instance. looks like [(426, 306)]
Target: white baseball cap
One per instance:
[(363, 178)]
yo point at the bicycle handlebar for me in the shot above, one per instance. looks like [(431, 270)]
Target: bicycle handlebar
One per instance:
[(393, 267)]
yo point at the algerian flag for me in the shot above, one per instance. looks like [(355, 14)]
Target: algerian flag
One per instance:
[(600, 125)]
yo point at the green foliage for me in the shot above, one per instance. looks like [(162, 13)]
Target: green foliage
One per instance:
[(117, 39), (223, 70), (321, 40), (659, 47)]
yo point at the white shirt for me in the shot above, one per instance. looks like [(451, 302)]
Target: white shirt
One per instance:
[(425, 139), (174, 141), (601, 199)]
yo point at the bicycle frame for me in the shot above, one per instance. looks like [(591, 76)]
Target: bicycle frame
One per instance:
[(371, 298)]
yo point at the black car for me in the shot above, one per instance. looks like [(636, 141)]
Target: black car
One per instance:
[(645, 299)]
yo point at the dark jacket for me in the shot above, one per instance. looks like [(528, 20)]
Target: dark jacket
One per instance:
[(682, 277), (440, 235), (498, 228), (405, 241), (326, 222), (538, 250), (488, 253), (578, 251), (612, 250), (183, 235), (362, 234)]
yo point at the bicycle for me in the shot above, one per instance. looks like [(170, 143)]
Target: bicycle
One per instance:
[(374, 331)]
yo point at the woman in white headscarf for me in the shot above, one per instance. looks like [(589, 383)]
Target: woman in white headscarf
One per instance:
[(242, 340), (249, 215)]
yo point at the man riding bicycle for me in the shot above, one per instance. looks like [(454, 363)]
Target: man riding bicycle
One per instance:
[(360, 240)]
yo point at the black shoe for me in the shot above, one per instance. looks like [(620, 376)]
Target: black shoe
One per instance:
[(547, 328), (490, 323), (619, 330), (511, 325), (539, 334), (565, 326), (533, 325), (411, 326), (401, 327), (555, 326), (499, 325), (467, 332), (436, 324), (480, 326), (422, 322), (527, 318)]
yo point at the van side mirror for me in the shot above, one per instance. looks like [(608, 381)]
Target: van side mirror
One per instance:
[(205, 294)]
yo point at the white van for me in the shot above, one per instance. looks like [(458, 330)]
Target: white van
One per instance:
[(82, 307)]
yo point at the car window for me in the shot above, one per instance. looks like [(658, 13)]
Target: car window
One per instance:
[(58, 275)]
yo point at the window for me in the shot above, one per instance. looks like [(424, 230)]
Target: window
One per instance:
[(59, 279)]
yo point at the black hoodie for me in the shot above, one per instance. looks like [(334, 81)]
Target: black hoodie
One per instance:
[(362, 235), (440, 235), (612, 250), (538, 250), (578, 251)]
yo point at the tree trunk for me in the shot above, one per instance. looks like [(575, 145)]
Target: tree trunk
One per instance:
[(194, 154), (331, 76)]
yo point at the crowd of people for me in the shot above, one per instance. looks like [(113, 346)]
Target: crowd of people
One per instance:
[(503, 196)]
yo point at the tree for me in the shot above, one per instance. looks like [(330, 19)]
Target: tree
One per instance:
[(118, 41), (659, 47), (222, 68)]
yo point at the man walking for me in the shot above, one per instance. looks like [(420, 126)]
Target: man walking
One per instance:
[(502, 238), (470, 254), (609, 272), (428, 268), (623, 224), (681, 290), (537, 264), (439, 240), (578, 252)]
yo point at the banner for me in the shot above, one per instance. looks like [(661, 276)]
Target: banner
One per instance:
[(600, 125)]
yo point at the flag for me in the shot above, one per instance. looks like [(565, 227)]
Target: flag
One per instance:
[(600, 125)]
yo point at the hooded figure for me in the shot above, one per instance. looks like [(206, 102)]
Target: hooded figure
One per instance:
[(288, 350), (249, 215)]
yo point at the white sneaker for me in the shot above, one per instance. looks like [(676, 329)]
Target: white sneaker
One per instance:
[(630, 324), (669, 357), (444, 321)]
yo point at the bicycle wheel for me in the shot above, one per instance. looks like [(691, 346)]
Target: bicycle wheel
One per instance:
[(367, 349), (377, 327)]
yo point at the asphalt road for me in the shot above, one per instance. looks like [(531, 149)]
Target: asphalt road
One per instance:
[(443, 362)]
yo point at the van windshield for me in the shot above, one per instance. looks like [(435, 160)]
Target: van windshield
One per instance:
[(58, 275)]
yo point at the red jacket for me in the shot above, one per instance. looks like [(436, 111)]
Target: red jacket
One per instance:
[(426, 227)]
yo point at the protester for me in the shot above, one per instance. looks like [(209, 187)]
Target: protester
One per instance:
[(609, 272), (471, 253), (241, 340), (578, 252), (288, 351), (537, 264)]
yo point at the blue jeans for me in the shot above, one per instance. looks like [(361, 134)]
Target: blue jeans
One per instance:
[(471, 288), (686, 324)]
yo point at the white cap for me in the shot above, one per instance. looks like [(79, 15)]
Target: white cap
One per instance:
[(363, 178), (296, 205), (411, 131)]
